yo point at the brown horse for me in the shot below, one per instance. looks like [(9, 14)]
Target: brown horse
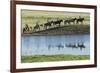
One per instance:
[(37, 27), (26, 28), (80, 20), (48, 24), (69, 21), (58, 22)]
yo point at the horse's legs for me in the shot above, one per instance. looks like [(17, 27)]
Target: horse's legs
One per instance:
[(45, 27), (39, 28), (28, 29), (23, 30), (82, 22), (68, 22), (77, 21), (74, 22), (59, 24), (64, 22)]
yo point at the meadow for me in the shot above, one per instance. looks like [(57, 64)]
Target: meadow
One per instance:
[(49, 58)]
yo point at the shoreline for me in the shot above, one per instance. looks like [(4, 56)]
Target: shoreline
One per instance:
[(51, 34)]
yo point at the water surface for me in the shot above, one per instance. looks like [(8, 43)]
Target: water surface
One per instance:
[(49, 45)]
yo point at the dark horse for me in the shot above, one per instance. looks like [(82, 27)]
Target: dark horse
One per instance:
[(36, 27), (80, 20), (57, 22), (48, 24), (26, 28), (69, 21)]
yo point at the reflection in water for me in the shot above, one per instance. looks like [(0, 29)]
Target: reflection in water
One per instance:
[(59, 46), (51, 45), (79, 45)]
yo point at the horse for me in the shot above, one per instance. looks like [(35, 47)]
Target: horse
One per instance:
[(72, 20), (26, 28), (36, 27), (41, 25), (80, 20), (48, 24), (57, 22), (66, 22), (69, 21), (31, 29)]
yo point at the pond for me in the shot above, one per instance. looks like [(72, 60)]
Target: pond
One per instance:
[(53, 45)]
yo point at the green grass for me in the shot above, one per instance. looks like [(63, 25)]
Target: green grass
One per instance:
[(48, 58)]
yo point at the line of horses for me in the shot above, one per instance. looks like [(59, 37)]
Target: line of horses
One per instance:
[(70, 45), (54, 23)]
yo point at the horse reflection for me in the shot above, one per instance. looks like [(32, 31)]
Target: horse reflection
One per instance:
[(80, 45), (73, 45), (59, 46), (50, 46)]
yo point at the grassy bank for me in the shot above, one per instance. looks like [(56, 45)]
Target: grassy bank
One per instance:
[(64, 30), (47, 58)]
